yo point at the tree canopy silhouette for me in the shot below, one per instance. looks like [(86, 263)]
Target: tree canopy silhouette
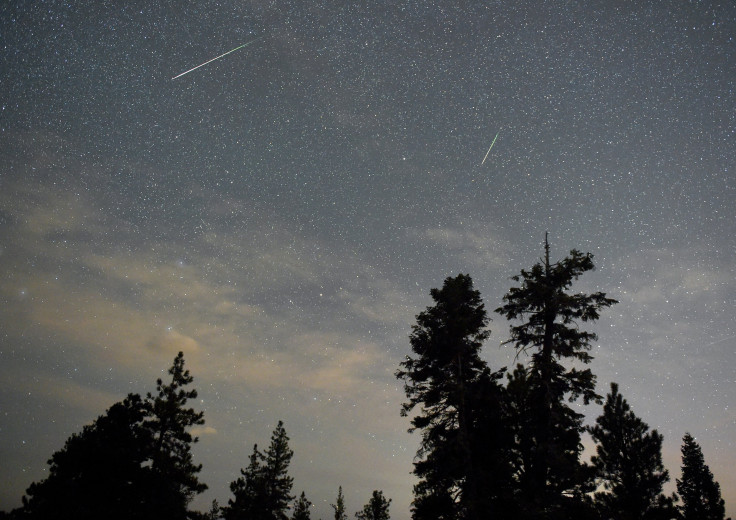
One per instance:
[(339, 506), (376, 508), (700, 493), (99, 472), (628, 463), (551, 477), (263, 491), (133, 462), (167, 421), (446, 379), (301, 508)]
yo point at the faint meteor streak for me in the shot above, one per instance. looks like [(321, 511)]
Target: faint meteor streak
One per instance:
[(217, 58), (720, 341), (489, 148)]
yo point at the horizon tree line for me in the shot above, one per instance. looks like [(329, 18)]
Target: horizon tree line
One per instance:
[(487, 449), (135, 461), (513, 450)]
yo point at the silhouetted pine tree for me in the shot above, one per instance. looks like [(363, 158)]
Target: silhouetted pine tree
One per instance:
[(215, 512), (376, 508), (262, 492), (551, 477), (175, 475), (133, 462), (98, 473), (339, 506), (628, 462), (249, 491), (700, 493), (443, 380), (278, 482), (435, 494), (301, 508)]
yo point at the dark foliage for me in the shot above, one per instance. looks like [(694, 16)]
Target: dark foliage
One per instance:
[(167, 422), (456, 394), (263, 491), (99, 472), (301, 508), (248, 491), (550, 478), (628, 464), (278, 481), (491, 446), (700, 493), (133, 462), (215, 511), (339, 506), (376, 508)]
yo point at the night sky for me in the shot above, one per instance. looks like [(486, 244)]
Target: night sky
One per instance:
[(280, 214)]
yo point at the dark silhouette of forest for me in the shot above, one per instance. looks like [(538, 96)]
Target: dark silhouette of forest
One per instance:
[(494, 443)]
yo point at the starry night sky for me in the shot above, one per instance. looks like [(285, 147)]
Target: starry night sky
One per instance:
[(280, 214)]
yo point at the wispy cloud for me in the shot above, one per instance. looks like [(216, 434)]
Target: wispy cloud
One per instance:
[(128, 306), (477, 245)]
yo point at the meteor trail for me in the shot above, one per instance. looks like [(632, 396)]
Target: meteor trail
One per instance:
[(217, 58), (489, 148)]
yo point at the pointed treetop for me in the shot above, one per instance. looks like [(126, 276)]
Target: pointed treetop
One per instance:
[(700, 493), (339, 507)]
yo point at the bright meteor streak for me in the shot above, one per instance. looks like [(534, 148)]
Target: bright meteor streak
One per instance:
[(217, 58), (489, 148)]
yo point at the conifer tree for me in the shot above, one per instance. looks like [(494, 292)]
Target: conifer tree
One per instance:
[(133, 462), (167, 420), (278, 482), (263, 491), (376, 508), (551, 480), (248, 491), (628, 463), (215, 511), (301, 508), (441, 380), (99, 472), (700, 493), (339, 506)]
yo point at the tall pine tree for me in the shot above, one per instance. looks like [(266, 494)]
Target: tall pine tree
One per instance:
[(263, 491), (628, 463), (339, 506), (278, 481), (551, 477), (168, 420), (440, 380), (700, 493)]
